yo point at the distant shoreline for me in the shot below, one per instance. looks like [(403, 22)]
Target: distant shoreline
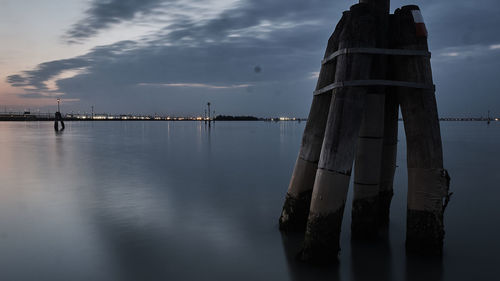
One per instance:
[(24, 119), (106, 117)]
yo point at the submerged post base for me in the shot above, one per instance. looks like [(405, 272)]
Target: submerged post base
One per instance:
[(295, 212), (364, 223), (424, 233), (384, 207), (321, 242)]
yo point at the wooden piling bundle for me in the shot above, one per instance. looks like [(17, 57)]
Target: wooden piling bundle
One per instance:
[(373, 63)]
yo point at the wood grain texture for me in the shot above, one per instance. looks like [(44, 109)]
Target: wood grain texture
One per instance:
[(425, 228), (338, 150), (296, 207)]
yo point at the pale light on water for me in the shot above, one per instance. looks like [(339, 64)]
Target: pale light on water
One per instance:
[(180, 201)]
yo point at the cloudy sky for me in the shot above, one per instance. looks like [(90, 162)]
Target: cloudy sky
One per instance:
[(257, 57)]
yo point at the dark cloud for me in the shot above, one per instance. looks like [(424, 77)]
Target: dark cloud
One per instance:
[(461, 23), (188, 52), (208, 59), (36, 78), (104, 13), (17, 80)]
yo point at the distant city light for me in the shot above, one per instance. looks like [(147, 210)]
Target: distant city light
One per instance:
[(287, 119), (27, 114)]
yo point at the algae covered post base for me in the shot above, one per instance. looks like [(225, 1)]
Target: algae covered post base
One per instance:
[(364, 223), (384, 207), (321, 243), (424, 232), (295, 212)]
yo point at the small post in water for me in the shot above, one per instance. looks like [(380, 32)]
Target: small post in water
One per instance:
[(58, 117)]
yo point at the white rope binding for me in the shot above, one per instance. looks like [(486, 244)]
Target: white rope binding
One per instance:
[(376, 51), (364, 83)]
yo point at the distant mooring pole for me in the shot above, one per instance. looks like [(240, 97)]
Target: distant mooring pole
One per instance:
[(209, 119), (92, 116), (58, 117), (374, 63)]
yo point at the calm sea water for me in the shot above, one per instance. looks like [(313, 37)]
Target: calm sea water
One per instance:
[(179, 201)]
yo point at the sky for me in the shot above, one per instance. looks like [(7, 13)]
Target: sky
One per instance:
[(246, 57)]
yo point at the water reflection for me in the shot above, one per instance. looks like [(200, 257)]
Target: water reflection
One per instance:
[(179, 201), (299, 271), (424, 268), (372, 259)]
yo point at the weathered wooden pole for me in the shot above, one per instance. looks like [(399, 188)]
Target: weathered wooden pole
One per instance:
[(367, 169), (56, 122), (298, 198), (321, 242), (428, 182), (389, 153), (209, 119)]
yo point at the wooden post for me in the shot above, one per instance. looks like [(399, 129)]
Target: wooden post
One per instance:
[(389, 153), (428, 182), (209, 119), (56, 123), (298, 198), (58, 118), (321, 242), (367, 169), (379, 6)]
